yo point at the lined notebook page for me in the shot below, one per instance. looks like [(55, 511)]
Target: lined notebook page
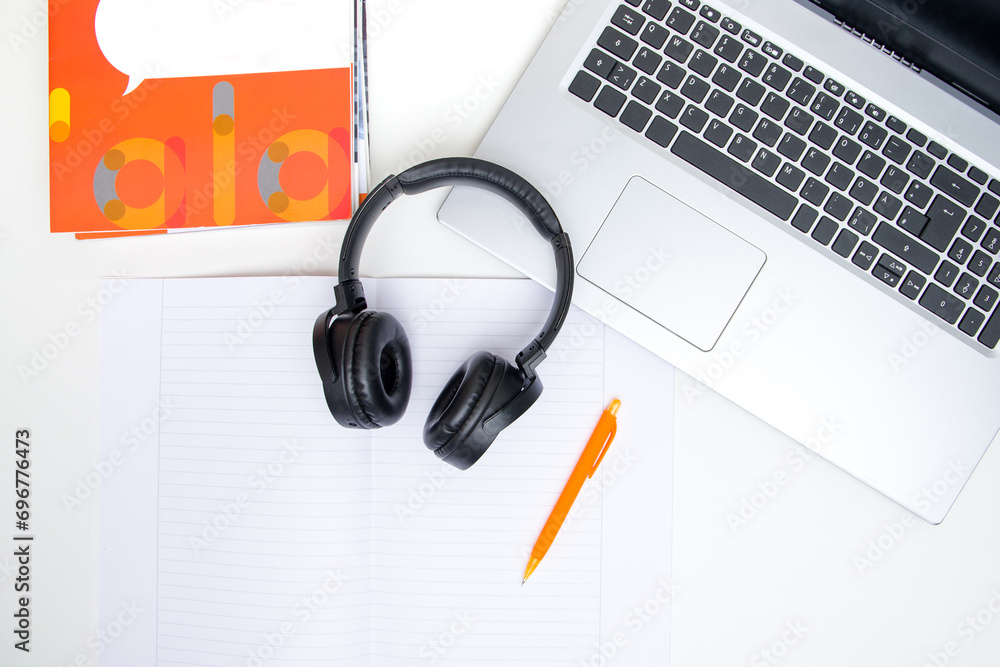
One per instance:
[(449, 547)]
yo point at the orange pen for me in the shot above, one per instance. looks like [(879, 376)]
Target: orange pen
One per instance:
[(585, 468)]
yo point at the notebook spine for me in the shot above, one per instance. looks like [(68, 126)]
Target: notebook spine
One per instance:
[(876, 45)]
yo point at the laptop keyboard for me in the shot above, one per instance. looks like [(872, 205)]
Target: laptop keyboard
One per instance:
[(848, 174)]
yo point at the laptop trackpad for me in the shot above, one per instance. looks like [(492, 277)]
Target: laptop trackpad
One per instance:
[(671, 263)]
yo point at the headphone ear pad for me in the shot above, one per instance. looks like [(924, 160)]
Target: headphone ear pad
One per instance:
[(377, 368), (481, 386)]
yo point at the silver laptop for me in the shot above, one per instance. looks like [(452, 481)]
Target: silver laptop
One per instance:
[(787, 206)]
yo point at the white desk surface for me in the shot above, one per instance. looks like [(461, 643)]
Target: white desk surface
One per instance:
[(825, 572)]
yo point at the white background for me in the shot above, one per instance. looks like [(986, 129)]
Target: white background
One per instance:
[(826, 572)]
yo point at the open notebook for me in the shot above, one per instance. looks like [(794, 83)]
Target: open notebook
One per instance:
[(242, 526)]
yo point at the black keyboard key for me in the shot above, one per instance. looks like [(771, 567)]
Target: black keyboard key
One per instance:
[(887, 206), (792, 62), (903, 246), (661, 131), (816, 161), (694, 118), (885, 275), (727, 77), (871, 165), (959, 163), (847, 150), (912, 221), (610, 101), (772, 50), (744, 117), (680, 20), (695, 89), (628, 20), (704, 34), (895, 179), (600, 63), (991, 241), (848, 120), (584, 86), (825, 106), (656, 8), (710, 14), (691, 4), (865, 256), (814, 192), (814, 75), (777, 77), (742, 148), (973, 228), (945, 217), (702, 63), (767, 132), (876, 112), (823, 136), (838, 206), (986, 298), (790, 177), (918, 194), (916, 137), (751, 38), (978, 175), (775, 106), (678, 48), (655, 35), (622, 76), (920, 164), (839, 176), (825, 231), (960, 251), (719, 103), (724, 169), (752, 62), (670, 104), (730, 26), (896, 125), (647, 60), (617, 43), (804, 219), (896, 150), (937, 150), (729, 48), (966, 286), (955, 186), (912, 285), (987, 206), (834, 87), (791, 147), (671, 74), (862, 221), (646, 90), (864, 191), (845, 243), (766, 162), (946, 306), (636, 116), (980, 263), (946, 274), (971, 321), (718, 133), (854, 99), (799, 121), (873, 135), (801, 91)]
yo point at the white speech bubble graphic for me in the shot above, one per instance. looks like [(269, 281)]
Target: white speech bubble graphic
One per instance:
[(182, 38)]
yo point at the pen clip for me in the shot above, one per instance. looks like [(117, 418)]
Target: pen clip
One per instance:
[(604, 447)]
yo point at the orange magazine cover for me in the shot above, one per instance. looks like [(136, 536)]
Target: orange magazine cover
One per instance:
[(173, 114)]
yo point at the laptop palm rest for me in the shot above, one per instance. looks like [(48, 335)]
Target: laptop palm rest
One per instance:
[(671, 263)]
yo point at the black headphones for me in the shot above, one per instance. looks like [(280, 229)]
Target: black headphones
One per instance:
[(363, 356)]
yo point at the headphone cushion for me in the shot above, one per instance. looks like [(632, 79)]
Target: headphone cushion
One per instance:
[(477, 390), (378, 370)]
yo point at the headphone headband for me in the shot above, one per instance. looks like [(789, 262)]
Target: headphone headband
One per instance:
[(483, 175)]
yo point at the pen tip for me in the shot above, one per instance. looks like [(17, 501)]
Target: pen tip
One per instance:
[(613, 408)]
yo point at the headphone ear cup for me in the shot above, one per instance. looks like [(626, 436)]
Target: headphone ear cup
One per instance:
[(481, 386), (377, 368)]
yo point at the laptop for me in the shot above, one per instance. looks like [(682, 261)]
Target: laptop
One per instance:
[(794, 203)]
